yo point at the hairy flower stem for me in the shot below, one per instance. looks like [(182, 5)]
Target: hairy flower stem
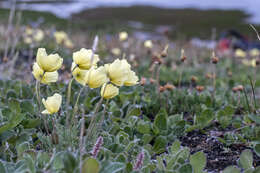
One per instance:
[(253, 92), (75, 109), (247, 102), (180, 78), (82, 142), (37, 90), (94, 117), (68, 101), (38, 95), (103, 115), (158, 79)]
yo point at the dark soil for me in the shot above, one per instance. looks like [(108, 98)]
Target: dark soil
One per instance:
[(219, 156)]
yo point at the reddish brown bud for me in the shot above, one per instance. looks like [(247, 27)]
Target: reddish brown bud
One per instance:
[(161, 89), (143, 81), (200, 88), (169, 86), (194, 79), (152, 81)]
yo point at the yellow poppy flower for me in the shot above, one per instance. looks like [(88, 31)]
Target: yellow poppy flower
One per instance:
[(28, 30), (60, 36), (254, 52), (109, 91), (246, 62), (123, 36), (48, 63), (38, 35), (79, 74), (52, 104), (118, 71), (68, 43), (253, 62), (44, 77), (148, 44), (27, 40), (240, 53), (116, 51), (96, 77), (83, 59), (132, 79)]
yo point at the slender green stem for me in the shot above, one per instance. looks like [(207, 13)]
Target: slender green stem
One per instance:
[(75, 109), (180, 78), (93, 119), (158, 79), (103, 115), (82, 141), (247, 102), (253, 90), (38, 93), (68, 101)]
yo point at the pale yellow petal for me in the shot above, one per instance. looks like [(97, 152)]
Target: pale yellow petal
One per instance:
[(109, 91), (96, 77)]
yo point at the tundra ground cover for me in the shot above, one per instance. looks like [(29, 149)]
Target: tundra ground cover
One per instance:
[(192, 110)]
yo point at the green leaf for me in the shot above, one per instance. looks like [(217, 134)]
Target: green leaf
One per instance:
[(21, 148), (30, 163), (143, 127), (90, 165), (175, 147), (147, 139), (186, 168), (2, 168), (254, 118), (257, 149), (198, 161), (204, 119), (14, 105), (27, 106), (134, 110), (16, 119), (31, 123), (257, 169), (246, 159), (224, 116), (160, 145), (161, 120), (231, 169), (112, 167)]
